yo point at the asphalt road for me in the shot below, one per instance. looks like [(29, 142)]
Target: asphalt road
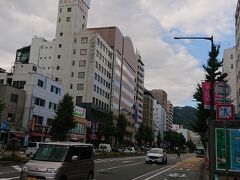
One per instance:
[(127, 168)]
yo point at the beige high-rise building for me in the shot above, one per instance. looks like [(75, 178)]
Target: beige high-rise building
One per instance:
[(169, 116), (148, 109), (161, 96), (124, 74)]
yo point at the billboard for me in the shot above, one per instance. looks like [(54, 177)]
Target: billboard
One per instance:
[(233, 151), (79, 112)]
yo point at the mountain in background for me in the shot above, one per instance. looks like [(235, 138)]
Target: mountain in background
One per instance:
[(184, 116)]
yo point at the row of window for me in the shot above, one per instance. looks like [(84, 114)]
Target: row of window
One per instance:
[(100, 103), (19, 84), (39, 120), (41, 102), (84, 40), (101, 92), (54, 89), (46, 47), (81, 63), (102, 81), (80, 74), (104, 60), (104, 48), (103, 70), (82, 52), (79, 86)]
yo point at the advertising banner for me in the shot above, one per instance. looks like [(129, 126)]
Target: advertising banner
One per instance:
[(79, 111), (233, 150)]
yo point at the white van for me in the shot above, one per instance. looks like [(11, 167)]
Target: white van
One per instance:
[(105, 147), (32, 148)]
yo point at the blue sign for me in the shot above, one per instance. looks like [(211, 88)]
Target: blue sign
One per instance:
[(235, 149), (4, 126)]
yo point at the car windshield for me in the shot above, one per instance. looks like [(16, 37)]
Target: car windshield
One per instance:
[(49, 152), (158, 151)]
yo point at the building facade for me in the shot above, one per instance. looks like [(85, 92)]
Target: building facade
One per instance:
[(229, 67), (237, 42), (161, 96), (169, 116), (148, 109)]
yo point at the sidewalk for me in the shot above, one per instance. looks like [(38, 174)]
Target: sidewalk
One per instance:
[(189, 169)]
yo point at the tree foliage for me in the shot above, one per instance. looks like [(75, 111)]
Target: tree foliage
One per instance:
[(121, 128), (191, 145), (212, 71), (159, 139), (144, 135), (63, 121), (174, 139)]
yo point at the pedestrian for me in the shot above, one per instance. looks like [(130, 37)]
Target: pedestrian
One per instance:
[(178, 154)]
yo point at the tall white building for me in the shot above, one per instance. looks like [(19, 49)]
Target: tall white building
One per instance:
[(169, 115), (229, 67)]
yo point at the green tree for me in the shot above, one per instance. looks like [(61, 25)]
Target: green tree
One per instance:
[(212, 70), (121, 128), (148, 135), (174, 139), (139, 136), (107, 127), (63, 121), (2, 106), (191, 145)]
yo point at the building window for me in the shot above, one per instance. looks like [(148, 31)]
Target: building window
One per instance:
[(34, 68), (19, 84), (59, 56), (82, 63), (83, 26), (52, 106), (75, 40), (59, 19), (1, 81), (68, 19), (60, 10), (72, 74), (61, 33), (231, 56), (11, 117), (58, 67), (39, 102), (60, 45), (83, 51), (71, 86), (80, 86), (38, 119), (55, 90), (14, 98), (81, 74), (69, 9), (78, 100), (49, 121), (84, 40), (73, 63), (74, 51), (40, 83)]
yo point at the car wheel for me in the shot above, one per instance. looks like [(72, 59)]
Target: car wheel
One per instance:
[(90, 176)]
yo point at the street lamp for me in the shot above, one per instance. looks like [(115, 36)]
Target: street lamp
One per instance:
[(211, 96)]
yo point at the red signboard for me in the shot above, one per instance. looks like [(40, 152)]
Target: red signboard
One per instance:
[(225, 112)]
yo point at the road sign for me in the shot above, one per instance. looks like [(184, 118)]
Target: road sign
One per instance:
[(222, 91), (225, 112)]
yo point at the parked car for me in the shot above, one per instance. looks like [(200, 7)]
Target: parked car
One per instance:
[(105, 147), (156, 155), (130, 150), (60, 161), (32, 148)]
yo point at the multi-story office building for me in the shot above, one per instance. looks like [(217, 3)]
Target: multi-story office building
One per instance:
[(161, 96), (148, 109), (169, 116), (138, 116), (229, 67), (237, 40), (124, 74), (159, 118), (42, 96)]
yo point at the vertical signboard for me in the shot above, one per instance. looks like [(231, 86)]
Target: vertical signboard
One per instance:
[(233, 149)]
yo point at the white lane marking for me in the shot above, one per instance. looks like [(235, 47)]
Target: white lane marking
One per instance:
[(116, 167), (10, 178), (150, 173), (126, 161), (118, 159), (162, 171), (18, 168)]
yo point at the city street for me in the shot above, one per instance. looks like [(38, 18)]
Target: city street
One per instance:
[(133, 168)]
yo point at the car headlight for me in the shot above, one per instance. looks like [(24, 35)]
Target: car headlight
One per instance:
[(52, 170), (25, 168)]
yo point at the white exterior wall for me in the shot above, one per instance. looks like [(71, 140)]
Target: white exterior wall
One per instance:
[(184, 132), (33, 91), (229, 67), (3, 76), (159, 117)]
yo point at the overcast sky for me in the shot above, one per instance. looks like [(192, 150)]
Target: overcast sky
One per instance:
[(172, 65)]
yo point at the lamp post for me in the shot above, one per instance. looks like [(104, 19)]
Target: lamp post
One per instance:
[(211, 99)]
